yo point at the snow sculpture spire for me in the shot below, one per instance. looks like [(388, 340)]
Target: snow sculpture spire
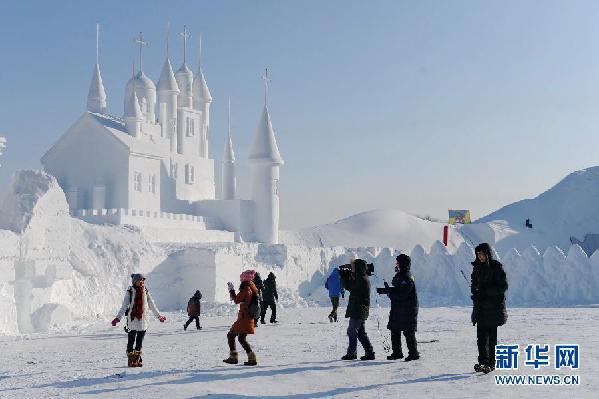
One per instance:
[(265, 161), (201, 102), (184, 76), (229, 180), (96, 97), (168, 90)]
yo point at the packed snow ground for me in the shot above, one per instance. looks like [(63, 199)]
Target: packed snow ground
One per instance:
[(298, 358)]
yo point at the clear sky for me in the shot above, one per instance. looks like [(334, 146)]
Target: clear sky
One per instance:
[(414, 105)]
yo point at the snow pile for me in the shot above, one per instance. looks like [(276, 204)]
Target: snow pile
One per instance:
[(55, 268), (377, 228), (569, 209)]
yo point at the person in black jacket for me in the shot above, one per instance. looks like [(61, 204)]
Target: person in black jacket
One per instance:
[(259, 283), (489, 284), (194, 309), (357, 282), (269, 298), (404, 309)]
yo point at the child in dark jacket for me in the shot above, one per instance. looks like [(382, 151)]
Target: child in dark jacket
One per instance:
[(193, 310)]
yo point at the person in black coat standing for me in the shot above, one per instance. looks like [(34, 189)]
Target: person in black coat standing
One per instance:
[(259, 283), (356, 281), (489, 284), (269, 298), (404, 309)]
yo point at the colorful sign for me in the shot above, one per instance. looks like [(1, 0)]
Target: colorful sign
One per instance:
[(459, 216)]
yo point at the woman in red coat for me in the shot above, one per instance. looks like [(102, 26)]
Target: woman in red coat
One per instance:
[(244, 324)]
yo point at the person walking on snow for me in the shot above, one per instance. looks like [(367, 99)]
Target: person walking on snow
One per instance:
[(403, 315), (333, 285), (245, 323), (194, 308), (136, 304), (356, 281), (489, 284), (269, 298)]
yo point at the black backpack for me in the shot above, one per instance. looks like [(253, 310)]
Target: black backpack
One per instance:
[(254, 309)]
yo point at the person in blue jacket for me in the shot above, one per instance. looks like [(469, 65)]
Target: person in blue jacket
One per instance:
[(333, 284)]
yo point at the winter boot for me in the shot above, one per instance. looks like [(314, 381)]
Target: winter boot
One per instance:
[(350, 356), (412, 356), (138, 359), (251, 360), (262, 321), (331, 318), (487, 369), (272, 321), (184, 326), (479, 367), (395, 356), (131, 359), (232, 359), (367, 356)]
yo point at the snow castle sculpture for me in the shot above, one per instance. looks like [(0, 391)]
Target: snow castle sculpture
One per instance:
[(152, 166)]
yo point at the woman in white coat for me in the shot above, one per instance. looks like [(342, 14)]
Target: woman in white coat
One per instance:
[(136, 305)]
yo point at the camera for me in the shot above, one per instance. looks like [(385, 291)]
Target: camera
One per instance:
[(370, 268), (383, 290)]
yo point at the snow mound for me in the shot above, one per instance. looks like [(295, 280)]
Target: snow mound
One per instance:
[(31, 194), (568, 209), (380, 228)]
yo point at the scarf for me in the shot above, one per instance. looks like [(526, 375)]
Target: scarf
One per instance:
[(137, 309)]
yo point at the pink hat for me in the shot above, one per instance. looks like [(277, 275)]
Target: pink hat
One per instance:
[(247, 275)]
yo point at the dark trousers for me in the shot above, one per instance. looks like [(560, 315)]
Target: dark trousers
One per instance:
[(486, 339), (356, 331), (242, 340), (135, 337), (410, 337), (197, 319), (335, 303), (273, 308)]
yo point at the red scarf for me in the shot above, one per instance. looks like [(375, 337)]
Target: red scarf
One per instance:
[(137, 310)]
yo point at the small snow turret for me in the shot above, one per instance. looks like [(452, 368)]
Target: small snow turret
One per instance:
[(134, 117), (168, 91)]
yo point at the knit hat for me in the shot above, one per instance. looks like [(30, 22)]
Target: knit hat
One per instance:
[(403, 260), (135, 277), (247, 275)]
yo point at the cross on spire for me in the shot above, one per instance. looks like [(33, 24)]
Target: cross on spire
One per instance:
[(200, 60), (185, 36), (229, 118), (168, 32), (267, 81), (140, 40)]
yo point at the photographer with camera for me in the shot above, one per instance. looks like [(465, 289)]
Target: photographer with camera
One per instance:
[(355, 279), (404, 309)]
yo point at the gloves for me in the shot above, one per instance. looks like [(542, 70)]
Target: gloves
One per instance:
[(230, 286), (115, 321), (162, 318)]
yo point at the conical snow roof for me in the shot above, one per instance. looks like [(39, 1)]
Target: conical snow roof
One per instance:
[(201, 93), (133, 110), (264, 146), (167, 80), (142, 81), (229, 155), (96, 97), (184, 75)]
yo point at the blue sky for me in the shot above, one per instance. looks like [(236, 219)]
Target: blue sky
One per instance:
[(414, 105)]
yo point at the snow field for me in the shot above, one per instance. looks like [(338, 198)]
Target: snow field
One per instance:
[(295, 360)]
